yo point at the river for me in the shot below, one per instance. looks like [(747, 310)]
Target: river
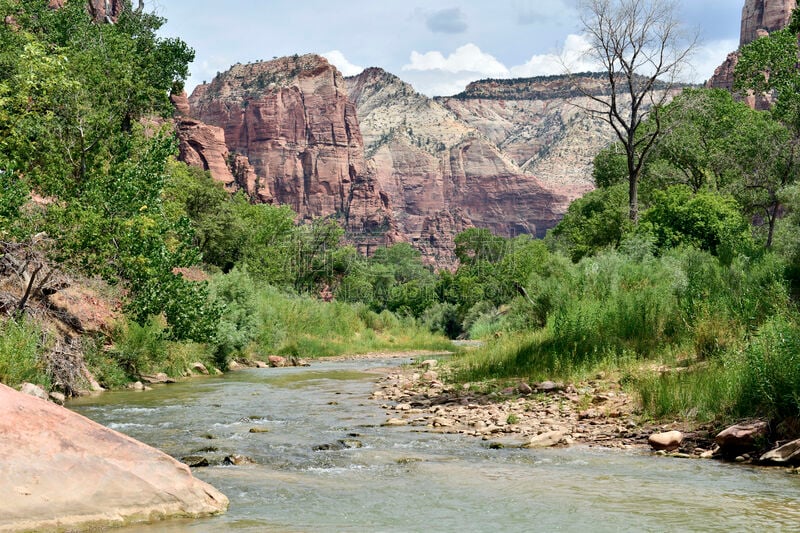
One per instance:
[(405, 480)]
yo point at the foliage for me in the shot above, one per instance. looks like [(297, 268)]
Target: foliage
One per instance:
[(22, 345), (235, 295), (709, 221), (596, 221), (772, 371), (637, 43), (139, 349)]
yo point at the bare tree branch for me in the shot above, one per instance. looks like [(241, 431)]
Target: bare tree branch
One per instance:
[(642, 49)]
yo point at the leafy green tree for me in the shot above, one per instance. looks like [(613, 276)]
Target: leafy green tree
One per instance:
[(706, 220), (597, 220)]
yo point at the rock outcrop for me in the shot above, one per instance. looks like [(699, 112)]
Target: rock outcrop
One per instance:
[(759, 18), (764, 15), (292, 121), (541, 125), (442, 174), (202, 145), (61, 471)]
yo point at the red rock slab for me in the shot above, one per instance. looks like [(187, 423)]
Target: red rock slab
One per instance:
[(59, 470)]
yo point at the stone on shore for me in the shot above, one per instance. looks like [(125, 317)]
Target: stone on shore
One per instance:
[(788, 454), (741, 438), (668, 441), (33, 390), (429, 364), (155, 379), (276, 361), (395, 422), (61, 471), (199, 368)]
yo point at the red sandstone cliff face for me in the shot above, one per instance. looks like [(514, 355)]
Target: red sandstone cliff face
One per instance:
[(104, 10), (768, 15), (296, 140), (442, 174), (759, 18)]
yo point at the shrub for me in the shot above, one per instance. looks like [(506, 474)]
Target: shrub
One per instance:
[(21, 347), (139, 348), (772, 371)]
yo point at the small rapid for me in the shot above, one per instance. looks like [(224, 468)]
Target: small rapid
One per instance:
[(316, 458)]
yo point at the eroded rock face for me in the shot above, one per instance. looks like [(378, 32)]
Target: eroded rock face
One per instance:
[(759, 18), (540, 124), (292, 120), (62, 471), (441, 174), (768, 15)]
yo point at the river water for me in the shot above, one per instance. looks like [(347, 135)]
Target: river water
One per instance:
[(406, 480)]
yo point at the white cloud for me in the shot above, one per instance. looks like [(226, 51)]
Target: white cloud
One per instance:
[(467, 58), (707, 58), (574, 57), (337, 59)]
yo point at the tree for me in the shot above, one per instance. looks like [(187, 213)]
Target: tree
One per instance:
[(642, 49)]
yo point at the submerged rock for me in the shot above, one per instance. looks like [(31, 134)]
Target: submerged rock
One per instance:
[(195, 461), (62, 471), (545, 440), (668, 441), (237, 460)]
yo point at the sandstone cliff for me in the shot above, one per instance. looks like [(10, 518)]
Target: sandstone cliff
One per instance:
[(295, 139), (441, 173), (759, 18), (766, 15), (541, 124)]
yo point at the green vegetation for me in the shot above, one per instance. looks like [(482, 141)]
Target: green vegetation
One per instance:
[(693, 306)]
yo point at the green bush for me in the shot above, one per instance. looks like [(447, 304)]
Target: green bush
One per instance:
[(21, 348), (139, 349), (772, 371)]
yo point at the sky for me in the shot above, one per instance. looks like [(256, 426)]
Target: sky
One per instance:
[(438, 46)]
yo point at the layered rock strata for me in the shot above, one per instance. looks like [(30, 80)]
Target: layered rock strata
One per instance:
[(296, 140), (444, 175), (61, 471), (541, 124)]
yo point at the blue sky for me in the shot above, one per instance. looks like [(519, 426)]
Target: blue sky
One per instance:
[(436, 45)]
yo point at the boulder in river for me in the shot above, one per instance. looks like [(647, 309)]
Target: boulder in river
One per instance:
[(788, 454), (668, 441), (61, 471), (545, 440)]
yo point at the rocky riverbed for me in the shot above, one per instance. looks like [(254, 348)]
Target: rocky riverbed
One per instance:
[(595, 412)]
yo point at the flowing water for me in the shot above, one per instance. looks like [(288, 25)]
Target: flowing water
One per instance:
[(405, 480)]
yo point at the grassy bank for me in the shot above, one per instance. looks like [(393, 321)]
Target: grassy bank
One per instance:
[(694, 338)]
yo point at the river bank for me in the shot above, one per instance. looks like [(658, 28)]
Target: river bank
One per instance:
[(410, 478), (596, 412)]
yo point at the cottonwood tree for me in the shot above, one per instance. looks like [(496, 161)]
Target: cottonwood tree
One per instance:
[(642, 48)]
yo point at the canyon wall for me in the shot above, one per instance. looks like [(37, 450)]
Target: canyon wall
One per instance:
[(759, 18), (292, 137)]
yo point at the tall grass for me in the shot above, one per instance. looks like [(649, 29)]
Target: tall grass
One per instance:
[(304, 326), (21, 346), (730, 324)]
